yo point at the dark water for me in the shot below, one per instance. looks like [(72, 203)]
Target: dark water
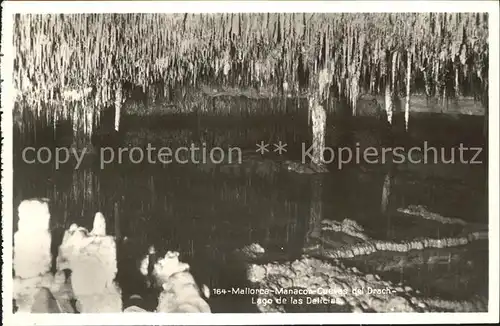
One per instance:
[(207, 213)]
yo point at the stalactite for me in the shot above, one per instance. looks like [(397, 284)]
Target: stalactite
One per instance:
[(388, 102), (76, 121), (436, 78), (445, 99), (426, 81), (386, 193), (116, 211), (118, 105), (394, 70), (318, 116), (408, 84), (189, 46), (89, 121)]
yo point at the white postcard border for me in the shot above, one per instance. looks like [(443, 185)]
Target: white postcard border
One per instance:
[(10, 7)]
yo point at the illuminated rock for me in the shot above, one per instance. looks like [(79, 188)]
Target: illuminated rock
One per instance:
[(32, 257), (72, 239), (32, 240), (25, 290), (341, 286), (347, 226), (371, 246), (256, 274), (44, 302), (168, 266), (62, 291), (91, 257), (106, 301), (251, 251), (99, 227), (423, 212), (56, 298), (145, 262), (180, 291), (181, 294)]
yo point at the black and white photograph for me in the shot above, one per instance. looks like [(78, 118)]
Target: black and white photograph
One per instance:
[(269, 162)]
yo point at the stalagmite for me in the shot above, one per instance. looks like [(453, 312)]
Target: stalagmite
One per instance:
[(99, 226), (33, 227), (91, 257), (32, 255)]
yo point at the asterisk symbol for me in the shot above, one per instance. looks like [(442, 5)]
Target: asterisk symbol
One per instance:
[(280, 148), (262, 148)]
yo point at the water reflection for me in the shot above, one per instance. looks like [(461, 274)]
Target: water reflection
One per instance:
[(207, 213)]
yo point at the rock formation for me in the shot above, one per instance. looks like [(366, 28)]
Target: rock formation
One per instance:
[(91, 257), (32, 257), (180, 291)]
